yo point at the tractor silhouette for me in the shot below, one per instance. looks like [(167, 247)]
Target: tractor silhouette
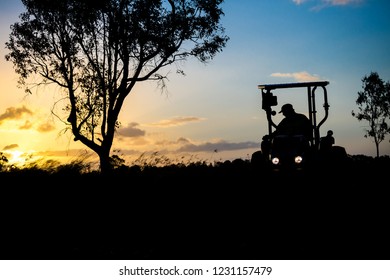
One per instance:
[(295, 152)]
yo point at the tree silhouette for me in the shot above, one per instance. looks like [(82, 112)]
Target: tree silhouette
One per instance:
[(96, 51), (374, 103)]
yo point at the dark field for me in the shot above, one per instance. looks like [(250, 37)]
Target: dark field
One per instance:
[(229, 211)]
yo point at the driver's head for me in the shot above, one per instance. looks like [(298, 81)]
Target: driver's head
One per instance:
[(287, 109)]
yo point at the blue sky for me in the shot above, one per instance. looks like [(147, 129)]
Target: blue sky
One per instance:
[(214, 111)]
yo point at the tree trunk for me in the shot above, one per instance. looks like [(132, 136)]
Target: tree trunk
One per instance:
[(105, 164), (377, 149)]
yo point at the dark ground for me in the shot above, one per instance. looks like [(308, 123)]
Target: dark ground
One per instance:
[(233, 211)]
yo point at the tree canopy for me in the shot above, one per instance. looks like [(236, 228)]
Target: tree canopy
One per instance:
[(96, 51), (374, 107)]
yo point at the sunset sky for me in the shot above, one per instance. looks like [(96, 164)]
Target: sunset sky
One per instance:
[(214, 112)]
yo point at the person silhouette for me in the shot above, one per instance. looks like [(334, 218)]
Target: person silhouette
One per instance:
[(293, 124), (327, 141), (266, 145)]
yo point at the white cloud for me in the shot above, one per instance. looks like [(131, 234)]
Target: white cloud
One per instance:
[(299, 2), (298, 76), (14, 113), (216, 145), (341, 2), (131, 130), (10, 147), (176, 121), (320, 4)]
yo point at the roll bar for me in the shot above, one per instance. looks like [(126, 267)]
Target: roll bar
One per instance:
[(269, 100)]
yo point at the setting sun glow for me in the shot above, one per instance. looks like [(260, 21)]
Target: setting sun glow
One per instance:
[(16, 157)]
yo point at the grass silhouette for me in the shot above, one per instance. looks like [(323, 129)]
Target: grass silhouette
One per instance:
[(197, 210)]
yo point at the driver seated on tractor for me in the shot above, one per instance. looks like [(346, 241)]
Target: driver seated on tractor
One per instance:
[(293, 124)]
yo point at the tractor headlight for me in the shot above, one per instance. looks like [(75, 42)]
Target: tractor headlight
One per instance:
[(298, 159), (275, 160)]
